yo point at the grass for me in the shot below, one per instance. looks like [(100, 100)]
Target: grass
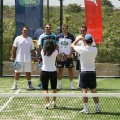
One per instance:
[(68, 108)]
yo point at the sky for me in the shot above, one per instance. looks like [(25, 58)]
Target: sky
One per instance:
[(116, 3)]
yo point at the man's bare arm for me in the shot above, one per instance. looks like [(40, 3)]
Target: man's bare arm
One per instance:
[(12, 58)]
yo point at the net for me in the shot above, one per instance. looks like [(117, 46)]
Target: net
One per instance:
[(29, 106)]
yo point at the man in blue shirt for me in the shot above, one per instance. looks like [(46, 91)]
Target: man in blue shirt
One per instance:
[(47, 35)]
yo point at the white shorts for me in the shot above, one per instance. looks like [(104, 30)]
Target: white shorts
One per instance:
[(25, 67)]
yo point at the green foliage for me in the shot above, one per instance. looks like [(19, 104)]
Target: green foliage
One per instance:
[(107, 10), (73, 8), (106, 3), (109, 50), (8, 30)]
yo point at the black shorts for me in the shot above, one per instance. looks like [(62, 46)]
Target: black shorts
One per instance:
[(78, 66), (68, 64), (88, 79), (45, 76)]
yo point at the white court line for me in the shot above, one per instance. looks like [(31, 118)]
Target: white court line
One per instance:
[(5, 104)]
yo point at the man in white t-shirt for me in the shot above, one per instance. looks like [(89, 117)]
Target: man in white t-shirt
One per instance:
[(64, 41), (83, 31), (23, 48), (88, 54)]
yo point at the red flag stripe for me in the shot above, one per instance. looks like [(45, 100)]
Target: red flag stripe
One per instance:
[(94, 19)]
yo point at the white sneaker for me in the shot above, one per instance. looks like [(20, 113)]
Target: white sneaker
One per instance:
[(84, 111), (31, 87), (71, 87), (97, 110), (47, 106), (14, 87), (54, 104), (59, 86)]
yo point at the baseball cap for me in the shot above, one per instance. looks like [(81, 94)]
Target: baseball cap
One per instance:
[(88, 37)]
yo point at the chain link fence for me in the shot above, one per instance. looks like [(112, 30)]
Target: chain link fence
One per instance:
[(108, 58), (32, 107)]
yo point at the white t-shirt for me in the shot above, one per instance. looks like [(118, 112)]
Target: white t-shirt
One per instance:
[(81, 43), (49, 61), (24, 47), (87, 57), (64, 45)]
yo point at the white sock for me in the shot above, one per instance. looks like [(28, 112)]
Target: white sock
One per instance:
[(86, 106), (60, 82), (15, 81), (71, 82), (97, 105)]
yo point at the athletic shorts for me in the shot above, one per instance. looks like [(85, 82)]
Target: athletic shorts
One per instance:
[(45, 76), (88, 79), (78, 66), (25, 67), (68, 64)]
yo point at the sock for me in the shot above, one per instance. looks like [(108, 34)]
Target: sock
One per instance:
[(60, 82), (29, 82), (71, 82), (86, 106), (15, 81), (97, 105)]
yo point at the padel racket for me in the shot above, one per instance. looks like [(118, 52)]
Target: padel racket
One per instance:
[(16, 65), (63, 57)]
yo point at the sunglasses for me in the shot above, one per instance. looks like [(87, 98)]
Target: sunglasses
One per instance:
[(48, 27), (24, 30), (64, 28), (83, 30)]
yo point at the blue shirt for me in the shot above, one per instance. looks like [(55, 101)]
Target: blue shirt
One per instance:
[(38, 33), (44, 37)]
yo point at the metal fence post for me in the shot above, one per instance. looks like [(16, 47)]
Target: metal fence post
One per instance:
[(1, 37)]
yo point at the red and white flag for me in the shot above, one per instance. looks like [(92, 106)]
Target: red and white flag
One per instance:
[(94, 19)]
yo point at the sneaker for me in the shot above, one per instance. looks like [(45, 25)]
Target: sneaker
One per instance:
[(39, 86), (97, 110), (71, 87), (47, 106), (84, 111), (31, 87), (14, 87), (54, 104), (59, 86)]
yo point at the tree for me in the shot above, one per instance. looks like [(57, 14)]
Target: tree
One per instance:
[(107, 3), (73, 8)]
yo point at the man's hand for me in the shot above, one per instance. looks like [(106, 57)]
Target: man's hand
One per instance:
[(12, 59)]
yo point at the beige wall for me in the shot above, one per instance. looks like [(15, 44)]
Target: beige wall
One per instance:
[(102, 69)]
